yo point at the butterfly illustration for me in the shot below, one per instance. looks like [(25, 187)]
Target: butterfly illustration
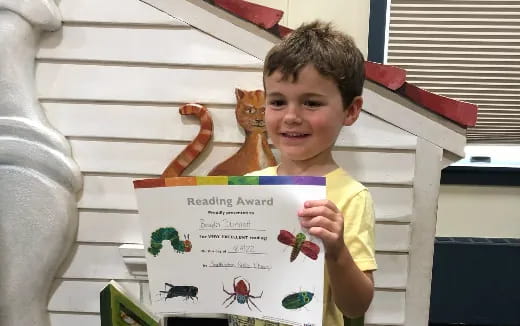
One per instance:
[(298, 243)]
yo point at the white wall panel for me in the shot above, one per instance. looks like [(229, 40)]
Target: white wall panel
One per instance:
[(141, 84), (388, 308), (61, 318), (142, 45), (393, 237), (114, 12)]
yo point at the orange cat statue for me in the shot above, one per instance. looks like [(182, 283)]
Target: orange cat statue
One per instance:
[(255, 153), (193, 150)]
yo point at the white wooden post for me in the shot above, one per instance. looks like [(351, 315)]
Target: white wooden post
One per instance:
[(426, 192)]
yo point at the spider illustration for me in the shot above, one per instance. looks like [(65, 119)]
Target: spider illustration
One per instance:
[(241, 293)]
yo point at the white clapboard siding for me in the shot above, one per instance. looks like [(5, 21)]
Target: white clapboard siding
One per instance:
[(141, 84), (392, 272), (75, 319), (141, 158), (145, 158), (95, 261), (117, 227), (387, 308), (109, 227), (114, 12), (392, 237), (392, 204), (110, 192), (377, 167), (83, 295), (165, 123), (142, 45), (104, 261)]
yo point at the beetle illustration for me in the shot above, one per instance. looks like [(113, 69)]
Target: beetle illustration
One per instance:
[(171, 234), (241, 293), (297, 300), (309, 249), (186, 291)]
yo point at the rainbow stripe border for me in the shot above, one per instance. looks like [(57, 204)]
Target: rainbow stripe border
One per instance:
[(232, 180)]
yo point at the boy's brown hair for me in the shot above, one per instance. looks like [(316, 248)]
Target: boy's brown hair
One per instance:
[(331, 52)]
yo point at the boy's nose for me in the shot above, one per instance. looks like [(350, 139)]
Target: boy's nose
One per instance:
[(292, 114)]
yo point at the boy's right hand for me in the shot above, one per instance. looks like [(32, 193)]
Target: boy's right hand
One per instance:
[(324, 220)]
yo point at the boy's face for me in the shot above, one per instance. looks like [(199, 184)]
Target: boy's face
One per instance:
[(304, 118)]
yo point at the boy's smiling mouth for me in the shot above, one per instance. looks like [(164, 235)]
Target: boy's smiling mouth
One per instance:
[(294, 134)]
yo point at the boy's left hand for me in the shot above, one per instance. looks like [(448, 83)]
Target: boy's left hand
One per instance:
[(324, 220)]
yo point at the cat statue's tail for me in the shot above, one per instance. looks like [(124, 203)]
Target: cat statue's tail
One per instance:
[(192, 151)]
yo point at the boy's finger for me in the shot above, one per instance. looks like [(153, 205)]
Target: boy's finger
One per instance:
[(320, 221), (322, 202), (325, 235), (316, 211)]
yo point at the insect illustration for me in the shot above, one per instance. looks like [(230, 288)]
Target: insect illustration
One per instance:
[(170, 234), (309, 249), (297, 300), (241, 293), (186, 291)]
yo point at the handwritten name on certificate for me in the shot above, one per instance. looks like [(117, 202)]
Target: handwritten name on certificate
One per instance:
[(232, 245)]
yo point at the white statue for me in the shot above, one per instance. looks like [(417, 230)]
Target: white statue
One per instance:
[(38, 178)]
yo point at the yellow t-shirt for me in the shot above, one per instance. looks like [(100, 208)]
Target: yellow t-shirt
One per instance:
[(355, 203)]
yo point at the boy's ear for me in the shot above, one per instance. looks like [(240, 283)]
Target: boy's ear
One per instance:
[(352, 112)]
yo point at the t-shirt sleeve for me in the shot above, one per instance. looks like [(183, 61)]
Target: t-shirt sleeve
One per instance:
[(359, 231)]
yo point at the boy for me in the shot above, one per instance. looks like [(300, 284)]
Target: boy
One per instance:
[(313, 82)]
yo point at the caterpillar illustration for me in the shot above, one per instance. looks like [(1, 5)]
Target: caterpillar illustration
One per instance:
[(171, 234), (193, 150)]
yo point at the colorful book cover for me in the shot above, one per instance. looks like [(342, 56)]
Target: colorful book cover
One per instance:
[(119, 308), (233, 245)]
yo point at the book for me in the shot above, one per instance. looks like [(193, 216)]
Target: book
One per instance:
[(120, 308)]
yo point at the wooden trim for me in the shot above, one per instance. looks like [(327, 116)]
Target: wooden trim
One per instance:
[(461, 112), (423, 223), (220, 24), (389, 76), (421, 122)]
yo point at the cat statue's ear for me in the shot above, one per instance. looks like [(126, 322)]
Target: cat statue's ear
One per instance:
[(239, 93)]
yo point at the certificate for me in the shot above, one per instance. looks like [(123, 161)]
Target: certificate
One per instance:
[(232, 245)]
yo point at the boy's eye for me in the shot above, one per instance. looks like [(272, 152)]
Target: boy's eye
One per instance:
[(250, 110), (276, 103), (312, 104)]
